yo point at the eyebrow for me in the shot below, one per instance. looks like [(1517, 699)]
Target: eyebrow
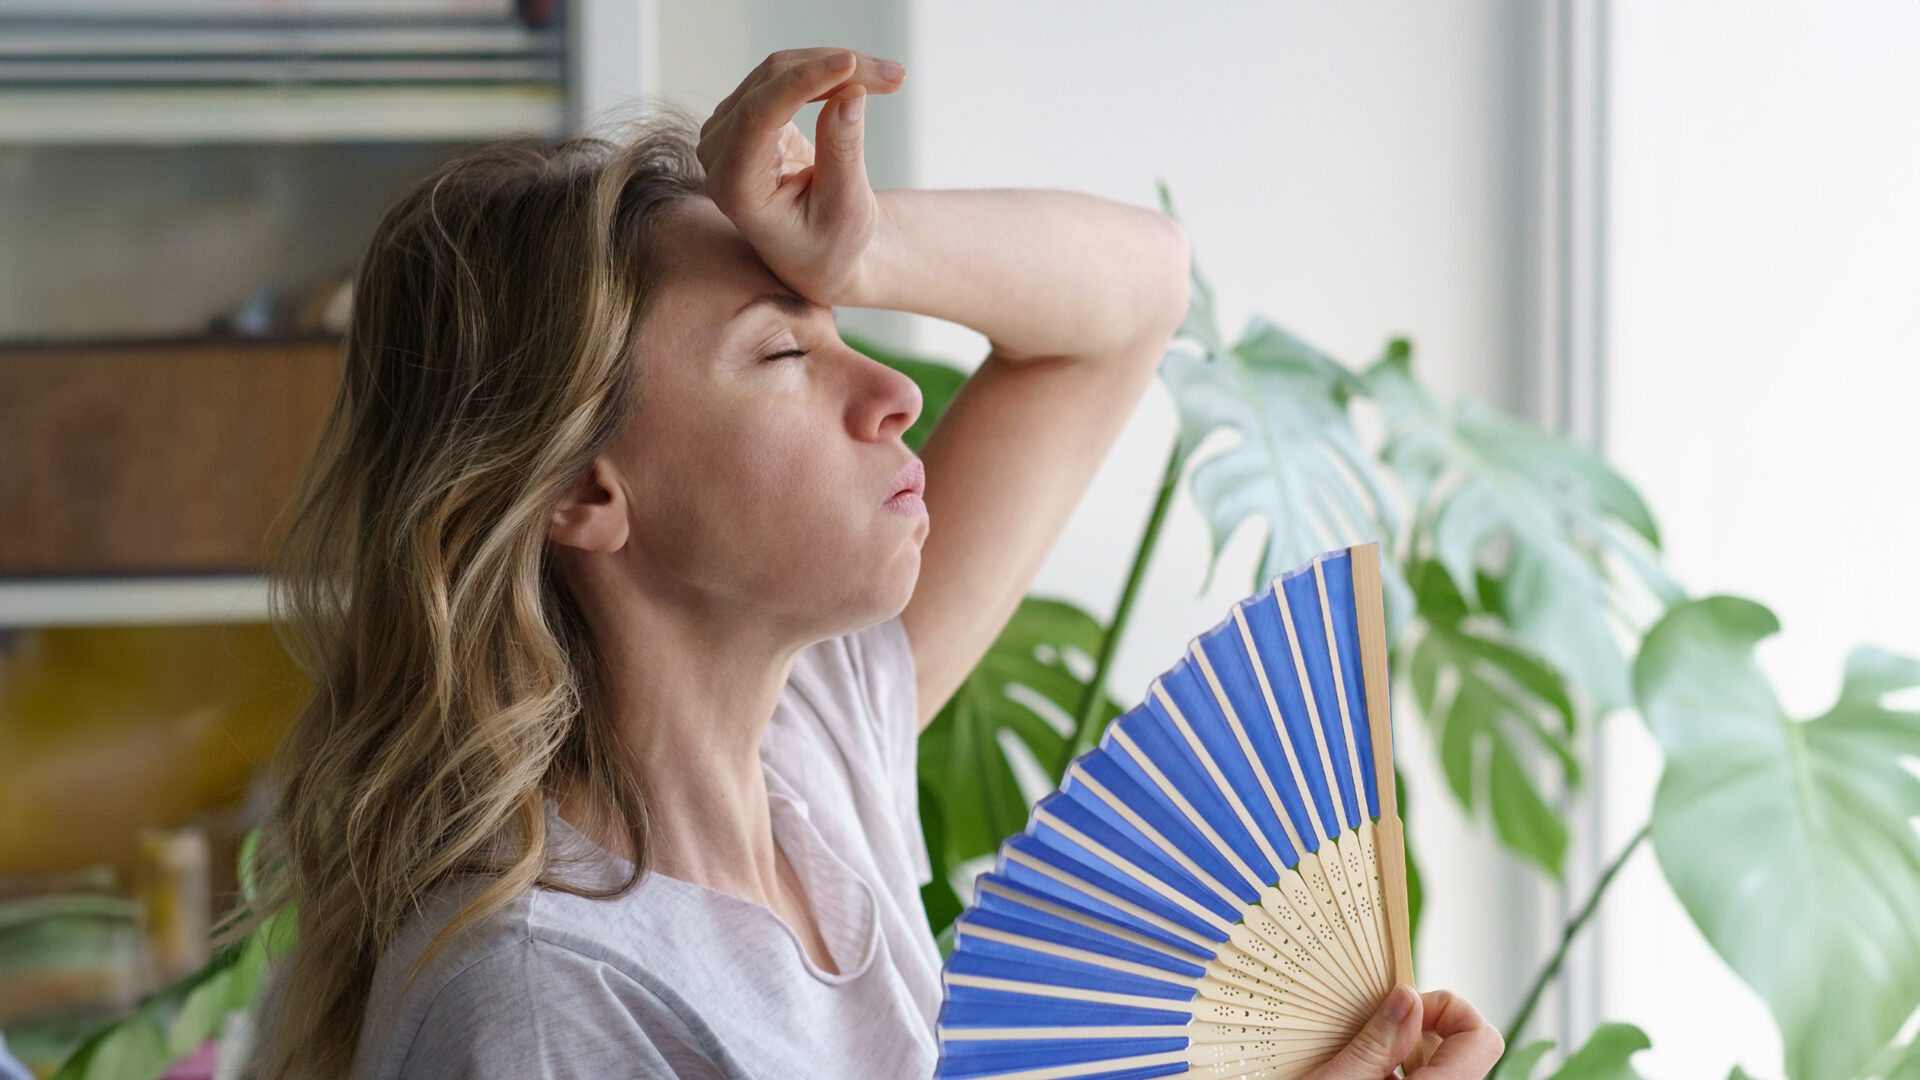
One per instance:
[(797, 306)]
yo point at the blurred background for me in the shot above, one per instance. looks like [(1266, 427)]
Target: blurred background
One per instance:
[(1686, 236)]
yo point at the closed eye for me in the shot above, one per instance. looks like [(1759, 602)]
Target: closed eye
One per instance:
[(785, 353)]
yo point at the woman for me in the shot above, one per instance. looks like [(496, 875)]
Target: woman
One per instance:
[(624, 606)]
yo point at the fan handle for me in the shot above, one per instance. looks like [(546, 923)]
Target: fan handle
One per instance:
[(1369, 604)]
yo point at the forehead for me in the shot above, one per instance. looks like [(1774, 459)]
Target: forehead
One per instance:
[(697, 239), (708, 271)]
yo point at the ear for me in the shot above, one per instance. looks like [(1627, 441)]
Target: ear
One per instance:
[(592, 516)]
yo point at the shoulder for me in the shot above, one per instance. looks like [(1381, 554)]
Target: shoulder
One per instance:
[(525, 991), (533, 1007)]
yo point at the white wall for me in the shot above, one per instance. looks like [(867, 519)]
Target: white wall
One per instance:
[(1762, 391)]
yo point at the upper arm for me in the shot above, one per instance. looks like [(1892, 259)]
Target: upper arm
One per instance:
[(535, 1009), (1006, 465)]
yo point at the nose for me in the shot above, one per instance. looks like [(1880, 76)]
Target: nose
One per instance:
[(884, 401)]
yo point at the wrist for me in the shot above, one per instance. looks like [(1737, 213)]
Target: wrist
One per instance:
[(878, 267)]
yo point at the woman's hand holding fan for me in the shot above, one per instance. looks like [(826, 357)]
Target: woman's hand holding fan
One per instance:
[(1457, 1042)]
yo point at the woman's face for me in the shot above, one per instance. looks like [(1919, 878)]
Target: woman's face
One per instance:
[(754, 482)]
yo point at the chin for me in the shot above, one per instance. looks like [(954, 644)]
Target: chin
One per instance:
[(905, 583)]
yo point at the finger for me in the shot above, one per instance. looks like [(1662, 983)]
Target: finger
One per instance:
[(1422, 1052), (796, 159), (839, 164), (1469, 1055), (774, 100), (1469, 1046), (877, 75), (1448, 1013), (1381, 1044), (737, 140), (775, 63)]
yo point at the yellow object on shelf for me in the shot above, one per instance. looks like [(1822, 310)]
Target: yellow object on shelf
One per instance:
[(172, 884)]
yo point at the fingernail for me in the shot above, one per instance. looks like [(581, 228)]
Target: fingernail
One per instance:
[(851, 106), (891, 69), (840, 61), (1399, 1003)]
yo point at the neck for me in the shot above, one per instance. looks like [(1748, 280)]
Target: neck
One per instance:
[(689, 698)]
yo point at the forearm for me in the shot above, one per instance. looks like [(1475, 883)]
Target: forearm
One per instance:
[(1038, 272)]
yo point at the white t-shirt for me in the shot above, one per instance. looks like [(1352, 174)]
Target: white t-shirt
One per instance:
[(676, 979)]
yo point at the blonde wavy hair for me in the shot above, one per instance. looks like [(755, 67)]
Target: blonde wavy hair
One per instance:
[(454, 680)]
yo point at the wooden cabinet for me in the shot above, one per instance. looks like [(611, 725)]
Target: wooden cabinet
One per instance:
[(155, 458)]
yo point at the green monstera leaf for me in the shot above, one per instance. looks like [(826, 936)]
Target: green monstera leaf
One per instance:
[(1482, 478), (1605, 1057), (1298, 463), (941, 900), (1502, 698), (1790, 842), (1011, 715)]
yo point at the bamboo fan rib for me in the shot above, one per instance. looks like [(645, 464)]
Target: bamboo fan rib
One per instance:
[(1217, 888)]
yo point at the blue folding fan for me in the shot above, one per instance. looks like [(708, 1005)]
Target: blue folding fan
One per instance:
[(1219, 887)]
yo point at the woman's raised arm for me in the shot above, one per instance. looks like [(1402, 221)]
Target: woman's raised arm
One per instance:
[(1078, 297)]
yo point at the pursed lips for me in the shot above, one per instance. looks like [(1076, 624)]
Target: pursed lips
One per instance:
[(913, 477)]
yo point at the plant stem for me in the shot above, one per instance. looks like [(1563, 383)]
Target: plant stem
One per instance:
[(1090, 701), (1567, 935)]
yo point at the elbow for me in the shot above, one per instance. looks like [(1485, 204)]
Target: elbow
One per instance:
[(1173, 293)]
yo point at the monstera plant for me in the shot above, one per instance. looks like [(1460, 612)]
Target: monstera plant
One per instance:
[(1511, 559)]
